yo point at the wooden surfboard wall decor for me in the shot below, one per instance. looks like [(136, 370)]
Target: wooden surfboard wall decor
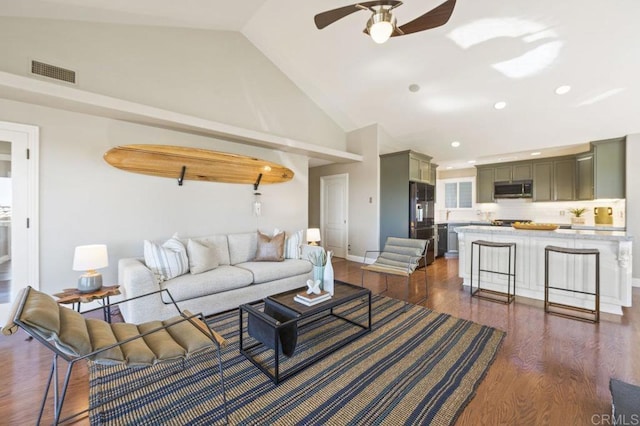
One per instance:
[(182, 163)]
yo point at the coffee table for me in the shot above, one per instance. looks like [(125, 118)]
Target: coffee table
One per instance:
[(285, 317)]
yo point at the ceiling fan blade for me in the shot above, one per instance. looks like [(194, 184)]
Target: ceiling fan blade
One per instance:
[(329, 17), (432, 19)]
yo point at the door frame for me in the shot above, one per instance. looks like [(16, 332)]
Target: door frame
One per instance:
[(345, 177), (21, 133)]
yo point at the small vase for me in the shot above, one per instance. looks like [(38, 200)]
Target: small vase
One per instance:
[(328, 274), (318, 275)]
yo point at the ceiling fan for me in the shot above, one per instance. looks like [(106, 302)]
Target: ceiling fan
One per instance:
[(382, 23)]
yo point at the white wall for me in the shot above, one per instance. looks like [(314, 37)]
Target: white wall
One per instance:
[(364, 184), (83, 200), (216, 75)]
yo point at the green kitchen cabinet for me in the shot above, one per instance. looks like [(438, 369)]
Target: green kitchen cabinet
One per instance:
[(564, 179), (595, 174), (522, 171), (543, 181), (609, 168), (502, 174), (513, 172), (584, 176), (420, 168), (397, 170), (484, 184), (452, 241)]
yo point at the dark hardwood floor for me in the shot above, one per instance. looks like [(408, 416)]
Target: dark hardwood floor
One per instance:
[(549, 371)]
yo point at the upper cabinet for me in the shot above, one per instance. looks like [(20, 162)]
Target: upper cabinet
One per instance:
[(598, 173), (484, 185), (609, 169), (420, 168), (513, 172), (543, 181), (564, 179), (554, 179), (505, 172), (584, 176)]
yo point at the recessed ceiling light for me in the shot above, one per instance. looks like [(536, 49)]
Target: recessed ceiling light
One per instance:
[(536, 153), (414, 88), (455, 144), (561, 90), (500, 105), (471, 161)]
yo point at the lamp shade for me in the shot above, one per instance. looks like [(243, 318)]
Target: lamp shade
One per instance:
[(313, 235), (91, 257)]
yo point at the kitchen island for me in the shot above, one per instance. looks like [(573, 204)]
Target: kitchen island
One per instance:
[(572, 272)]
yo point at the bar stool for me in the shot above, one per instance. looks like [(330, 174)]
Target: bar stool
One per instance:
[(495, 296), (548, 304)]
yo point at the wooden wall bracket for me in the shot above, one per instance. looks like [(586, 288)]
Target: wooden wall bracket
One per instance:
[(181, 178), (257, 183)]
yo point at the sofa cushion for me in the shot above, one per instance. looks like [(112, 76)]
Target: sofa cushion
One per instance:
[(168, 260), (242, 247), (202, 257), (292, 243), (270, 249), (219, 242), (271, 271), (223, 278)]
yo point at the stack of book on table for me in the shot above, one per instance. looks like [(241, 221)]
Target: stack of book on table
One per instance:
[(312, 299)]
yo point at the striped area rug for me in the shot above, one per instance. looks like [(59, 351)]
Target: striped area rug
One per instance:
[(418, 367)]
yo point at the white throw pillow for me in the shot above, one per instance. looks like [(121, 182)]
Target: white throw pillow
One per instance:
[(202, 257), (168, 260), (292, 243)]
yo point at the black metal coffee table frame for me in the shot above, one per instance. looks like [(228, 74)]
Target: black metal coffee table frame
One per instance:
[(343, 293)]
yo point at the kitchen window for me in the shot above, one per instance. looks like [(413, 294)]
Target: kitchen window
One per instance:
[(458, 195)]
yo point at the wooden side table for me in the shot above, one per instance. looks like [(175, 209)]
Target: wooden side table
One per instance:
[(73, 296)]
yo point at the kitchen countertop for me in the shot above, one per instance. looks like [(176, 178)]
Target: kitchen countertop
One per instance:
[(558, 233), (599, 227), (457, 222)]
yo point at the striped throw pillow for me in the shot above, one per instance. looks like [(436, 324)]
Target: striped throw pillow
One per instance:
[(292, 243), (168, 260)]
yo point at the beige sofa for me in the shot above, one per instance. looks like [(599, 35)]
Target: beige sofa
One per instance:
[(237, 280)]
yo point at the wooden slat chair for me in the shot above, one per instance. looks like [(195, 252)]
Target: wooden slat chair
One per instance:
[(72, 337), (400, 257)]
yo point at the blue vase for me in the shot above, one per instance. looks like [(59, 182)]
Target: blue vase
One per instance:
[(318, 275)]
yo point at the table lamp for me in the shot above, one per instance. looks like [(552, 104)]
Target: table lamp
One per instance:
[(313, 236), (89, 258)]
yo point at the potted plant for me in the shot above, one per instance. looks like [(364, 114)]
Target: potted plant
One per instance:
[(577, 215)]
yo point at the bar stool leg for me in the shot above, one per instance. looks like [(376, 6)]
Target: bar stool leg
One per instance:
[(548, 304)]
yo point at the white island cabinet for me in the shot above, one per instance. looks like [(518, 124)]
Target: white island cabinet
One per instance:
[(572, 272)]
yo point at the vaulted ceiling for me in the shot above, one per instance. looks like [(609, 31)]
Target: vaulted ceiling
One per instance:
[(515, 51)]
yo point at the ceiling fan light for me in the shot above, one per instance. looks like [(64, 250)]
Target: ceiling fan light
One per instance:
[(381, 26)]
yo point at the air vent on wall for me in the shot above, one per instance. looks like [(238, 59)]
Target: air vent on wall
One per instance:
[(52, 71)]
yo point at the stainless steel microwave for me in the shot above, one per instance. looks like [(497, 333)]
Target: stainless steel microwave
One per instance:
[(517, 189)]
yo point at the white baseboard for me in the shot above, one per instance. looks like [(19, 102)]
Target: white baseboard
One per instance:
[(635, 282)]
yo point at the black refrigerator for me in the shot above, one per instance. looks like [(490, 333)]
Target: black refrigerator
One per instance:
[(421, 215)]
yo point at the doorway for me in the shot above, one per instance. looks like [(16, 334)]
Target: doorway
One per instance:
[(334, 212), (19, 262)]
